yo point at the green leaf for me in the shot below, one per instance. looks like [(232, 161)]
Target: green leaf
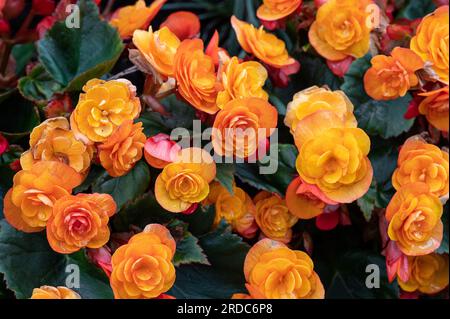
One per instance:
[(188, 250), (443, 248), (23, 53), (384, 118), (353, 85), (224, 175), (367, 202), (417, 9), (226, 253), (38, 86), (140, 212), (201, 221), (249, 173), (124, 188), (95, 172), (285, 172), (383, 156), (28, 262), (349, 279), (18, 118), (73, 56)]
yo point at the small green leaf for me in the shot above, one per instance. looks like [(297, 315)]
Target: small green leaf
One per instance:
[(23, 53), (188, 250), (73, 56), (28, 262), (367, 203), (124, 188), (417, 9), (225, 176), (38, 86)]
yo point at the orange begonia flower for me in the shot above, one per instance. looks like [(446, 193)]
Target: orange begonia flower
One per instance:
[(143, 269), (158, 48), (133, 17), (160, 150), (273, 216), (186, 181), (414, 216), (392, 77), (431, 42), (52, 140), (80, 221), (341, 29), (265, 46), (184, 24), (315, 99), (419, 161), (103, 107), (236, 208), (241, 80), (272, 10), (428, 274), (49, 292), (240, 127), (123, 149), (305, 201), (29, 203), (333, 156), (435, 108), (274, 271), (196, 76)]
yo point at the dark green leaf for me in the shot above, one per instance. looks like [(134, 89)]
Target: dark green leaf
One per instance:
[(249, 173), (73, 56), (38, 86), (124, 188), (367, 202), (23, 53), (226, 253), (27, 262), (383, 156), (443, 249), (188, 250), (18, 118), (384, 118), (417, 9), (225, 176), (353, 85), (95, 172)]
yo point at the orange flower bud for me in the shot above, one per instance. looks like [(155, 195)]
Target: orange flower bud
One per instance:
[(103, 107), (241, 80), (273, 217), (143, 268), (315, 99), (237, 209), (123, 149), (274, 271), (341, 29), (242, 126), (52, 140), (431, 42), (272, 10), (80, 221), (435, 108), (184, 24), (186, 181), (392, 77), (196, 76), (414, 216), (158, 48), (160, 150), (265, 46), (333, 156), (428, 274), (419, 161), (29, 203), (49, 292), (138, 16)]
